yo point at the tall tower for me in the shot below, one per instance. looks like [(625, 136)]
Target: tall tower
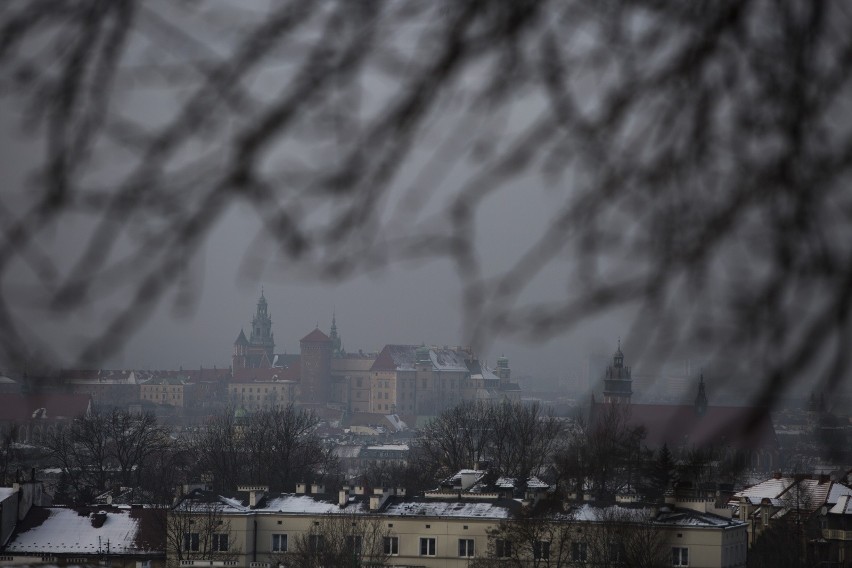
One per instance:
[(618, 384), (239, 359), (503, 370), (261, 340), (315, 354)]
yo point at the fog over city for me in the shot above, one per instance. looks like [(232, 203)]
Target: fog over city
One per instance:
[(434, 283), (540, 198)]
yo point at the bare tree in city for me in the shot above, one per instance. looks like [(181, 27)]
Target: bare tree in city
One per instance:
[(628, 537), (534, 540), (276, 447), (198, 530), (134, 438), (103, 447), (514, 439), (339, 540), (524, 438), (457, 439), (602, 455), (693, 157)]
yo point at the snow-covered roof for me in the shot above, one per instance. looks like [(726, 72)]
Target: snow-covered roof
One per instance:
[(667, 516), (288, 503), (347, 452), (396, 422), (65, 531), (843, 506), (390, 447), (5, 492), (837, 491), (446, 359), (812, 493), (769, 489), (465, 509), (404, 358)]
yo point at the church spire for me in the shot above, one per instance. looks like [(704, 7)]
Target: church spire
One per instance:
[(336, 342)]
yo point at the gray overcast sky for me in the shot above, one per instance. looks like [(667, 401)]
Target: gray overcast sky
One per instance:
[(408, 302), (645, 153)]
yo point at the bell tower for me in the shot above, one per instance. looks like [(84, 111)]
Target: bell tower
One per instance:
[(618, 383), (261, 338)]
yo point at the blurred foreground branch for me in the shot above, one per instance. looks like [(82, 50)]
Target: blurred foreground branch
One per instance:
[(694, 160)]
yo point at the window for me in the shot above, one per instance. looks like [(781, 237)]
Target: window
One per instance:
[(680, 556), (353, 545), (466, 547), (190, 542), (391, 545), (427, 547), (616, 552), (503, 548), (579, 551), (541, 550), (220, 542), (316, 543), (279, 543)]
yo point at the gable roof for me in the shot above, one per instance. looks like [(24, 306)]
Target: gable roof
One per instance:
[(316, 336), (395, 358), (404, 357), (812, 493)]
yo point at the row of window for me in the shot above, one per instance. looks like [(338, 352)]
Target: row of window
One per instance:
[(192, 542), (429, 546)]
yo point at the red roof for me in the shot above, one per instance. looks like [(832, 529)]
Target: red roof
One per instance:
[(248, 375), (316, 336), (738, 427), (20, 408)]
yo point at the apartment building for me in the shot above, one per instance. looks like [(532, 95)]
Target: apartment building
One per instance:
[(263, 530)]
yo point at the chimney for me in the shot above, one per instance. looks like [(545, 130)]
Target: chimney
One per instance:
[(468, 478), (343, 497), (256, 493), (776, 475), (378, 498), (317, 488), (301, 488)]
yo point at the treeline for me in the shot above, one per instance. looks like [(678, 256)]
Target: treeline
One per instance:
[(599, 456), (104, 450), (278, 448)]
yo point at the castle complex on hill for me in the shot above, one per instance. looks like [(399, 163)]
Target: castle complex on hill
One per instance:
[(409, 380)]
